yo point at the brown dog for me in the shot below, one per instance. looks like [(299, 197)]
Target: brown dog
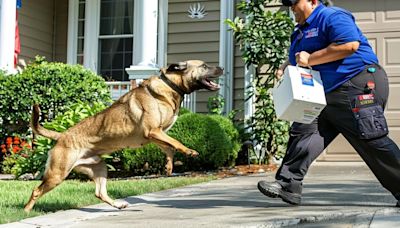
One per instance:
[(141, 116)]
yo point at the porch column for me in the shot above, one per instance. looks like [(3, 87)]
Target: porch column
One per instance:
[(145, 41), (7, 34)]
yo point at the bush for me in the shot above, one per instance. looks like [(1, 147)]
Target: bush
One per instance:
[(34, 161), (143, 161), (214, 137), (54, 86), (264, 38), (14, 147)]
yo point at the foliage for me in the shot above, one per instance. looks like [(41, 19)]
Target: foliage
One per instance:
[(216, 104), (144, 161), (233, 134), (34, 161), (183, 111), (14, 147), (213, 136), (54, 86), (264, 40), (263, 35)]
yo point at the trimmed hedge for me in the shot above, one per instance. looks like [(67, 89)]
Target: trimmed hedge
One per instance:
[(54, 86), (213, 136)]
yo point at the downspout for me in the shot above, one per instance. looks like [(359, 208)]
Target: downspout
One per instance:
[(249, 101), (162, 33), (226, 53)]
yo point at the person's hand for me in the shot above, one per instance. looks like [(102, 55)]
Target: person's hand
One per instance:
[(279, 73), (302, 58)]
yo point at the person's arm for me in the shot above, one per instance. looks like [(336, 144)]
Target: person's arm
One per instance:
[(329, 54), (342, 34)]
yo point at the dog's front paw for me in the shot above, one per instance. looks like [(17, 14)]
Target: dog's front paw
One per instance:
[(120, 205), (192, 153)]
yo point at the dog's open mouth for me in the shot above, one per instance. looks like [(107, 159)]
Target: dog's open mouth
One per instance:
[(210, 85)]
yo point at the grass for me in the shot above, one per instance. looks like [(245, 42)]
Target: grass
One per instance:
[(75, 194)]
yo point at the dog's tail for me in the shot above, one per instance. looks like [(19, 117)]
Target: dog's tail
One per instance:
[(38, 129)]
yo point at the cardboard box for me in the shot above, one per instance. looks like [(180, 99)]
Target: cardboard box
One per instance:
[(299, 96)]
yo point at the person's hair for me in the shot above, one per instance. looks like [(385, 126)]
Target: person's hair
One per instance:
[(327, 2)]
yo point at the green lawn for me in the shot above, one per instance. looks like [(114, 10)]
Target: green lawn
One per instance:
[(74, 194)]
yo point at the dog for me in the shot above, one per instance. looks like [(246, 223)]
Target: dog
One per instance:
[(141, 116)]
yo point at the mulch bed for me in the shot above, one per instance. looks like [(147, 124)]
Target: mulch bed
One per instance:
[(239, 170)]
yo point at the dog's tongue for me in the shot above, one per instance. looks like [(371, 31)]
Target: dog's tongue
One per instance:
[(210, 84)]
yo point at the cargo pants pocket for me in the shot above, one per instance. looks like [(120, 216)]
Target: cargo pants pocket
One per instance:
[(371, 122)]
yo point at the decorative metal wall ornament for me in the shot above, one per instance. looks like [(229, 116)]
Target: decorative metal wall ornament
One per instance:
[(197, 11)]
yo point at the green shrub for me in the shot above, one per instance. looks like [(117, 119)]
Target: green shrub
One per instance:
[(34, 161), (214, 137), (233, 135), (54, 86), (143, 161), (264, 38)]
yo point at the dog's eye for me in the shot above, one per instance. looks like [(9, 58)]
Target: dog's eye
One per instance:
[(204, 66)]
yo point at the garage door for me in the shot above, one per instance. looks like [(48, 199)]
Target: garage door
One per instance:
[(380, 22)]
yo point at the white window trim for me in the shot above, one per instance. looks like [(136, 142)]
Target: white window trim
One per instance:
[(73, 10), (91, 42)]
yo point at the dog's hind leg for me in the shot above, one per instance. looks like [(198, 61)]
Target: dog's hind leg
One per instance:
[(56, 171), (98, 173)]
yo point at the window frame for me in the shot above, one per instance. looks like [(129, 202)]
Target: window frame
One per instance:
[(92, 30)]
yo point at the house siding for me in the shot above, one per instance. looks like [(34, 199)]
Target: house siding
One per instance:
[(194, 38), (238, 74), (61, 31), (36, 29), (43, 30)]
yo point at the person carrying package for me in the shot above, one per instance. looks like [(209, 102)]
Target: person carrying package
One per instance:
[(356, 90)]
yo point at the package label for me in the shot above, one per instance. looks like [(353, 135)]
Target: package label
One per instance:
[(307, 79)]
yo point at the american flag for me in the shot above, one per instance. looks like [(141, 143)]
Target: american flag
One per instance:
[(17, 48)]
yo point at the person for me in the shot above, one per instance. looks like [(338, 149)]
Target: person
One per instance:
[(356, 88)]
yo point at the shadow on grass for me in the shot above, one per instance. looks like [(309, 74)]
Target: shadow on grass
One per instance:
[(46, 207)]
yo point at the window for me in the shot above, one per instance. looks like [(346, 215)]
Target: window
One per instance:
[(115, 38), (101, 35), (81, 32)]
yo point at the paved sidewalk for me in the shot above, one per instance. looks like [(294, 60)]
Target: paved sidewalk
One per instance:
[(335, 195)]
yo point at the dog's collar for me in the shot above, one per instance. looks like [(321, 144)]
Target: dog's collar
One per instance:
[(173, 85)]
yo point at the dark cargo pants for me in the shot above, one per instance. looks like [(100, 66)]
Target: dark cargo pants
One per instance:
[(362, 124)]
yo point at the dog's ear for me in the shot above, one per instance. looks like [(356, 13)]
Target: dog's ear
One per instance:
[(177, 66)]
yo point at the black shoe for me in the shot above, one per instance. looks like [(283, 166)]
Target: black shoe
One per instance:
[(274, 190)]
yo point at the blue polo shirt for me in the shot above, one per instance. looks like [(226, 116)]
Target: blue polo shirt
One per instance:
[(328, 25)]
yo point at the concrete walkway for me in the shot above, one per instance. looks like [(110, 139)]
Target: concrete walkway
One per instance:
[(335, 195)]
